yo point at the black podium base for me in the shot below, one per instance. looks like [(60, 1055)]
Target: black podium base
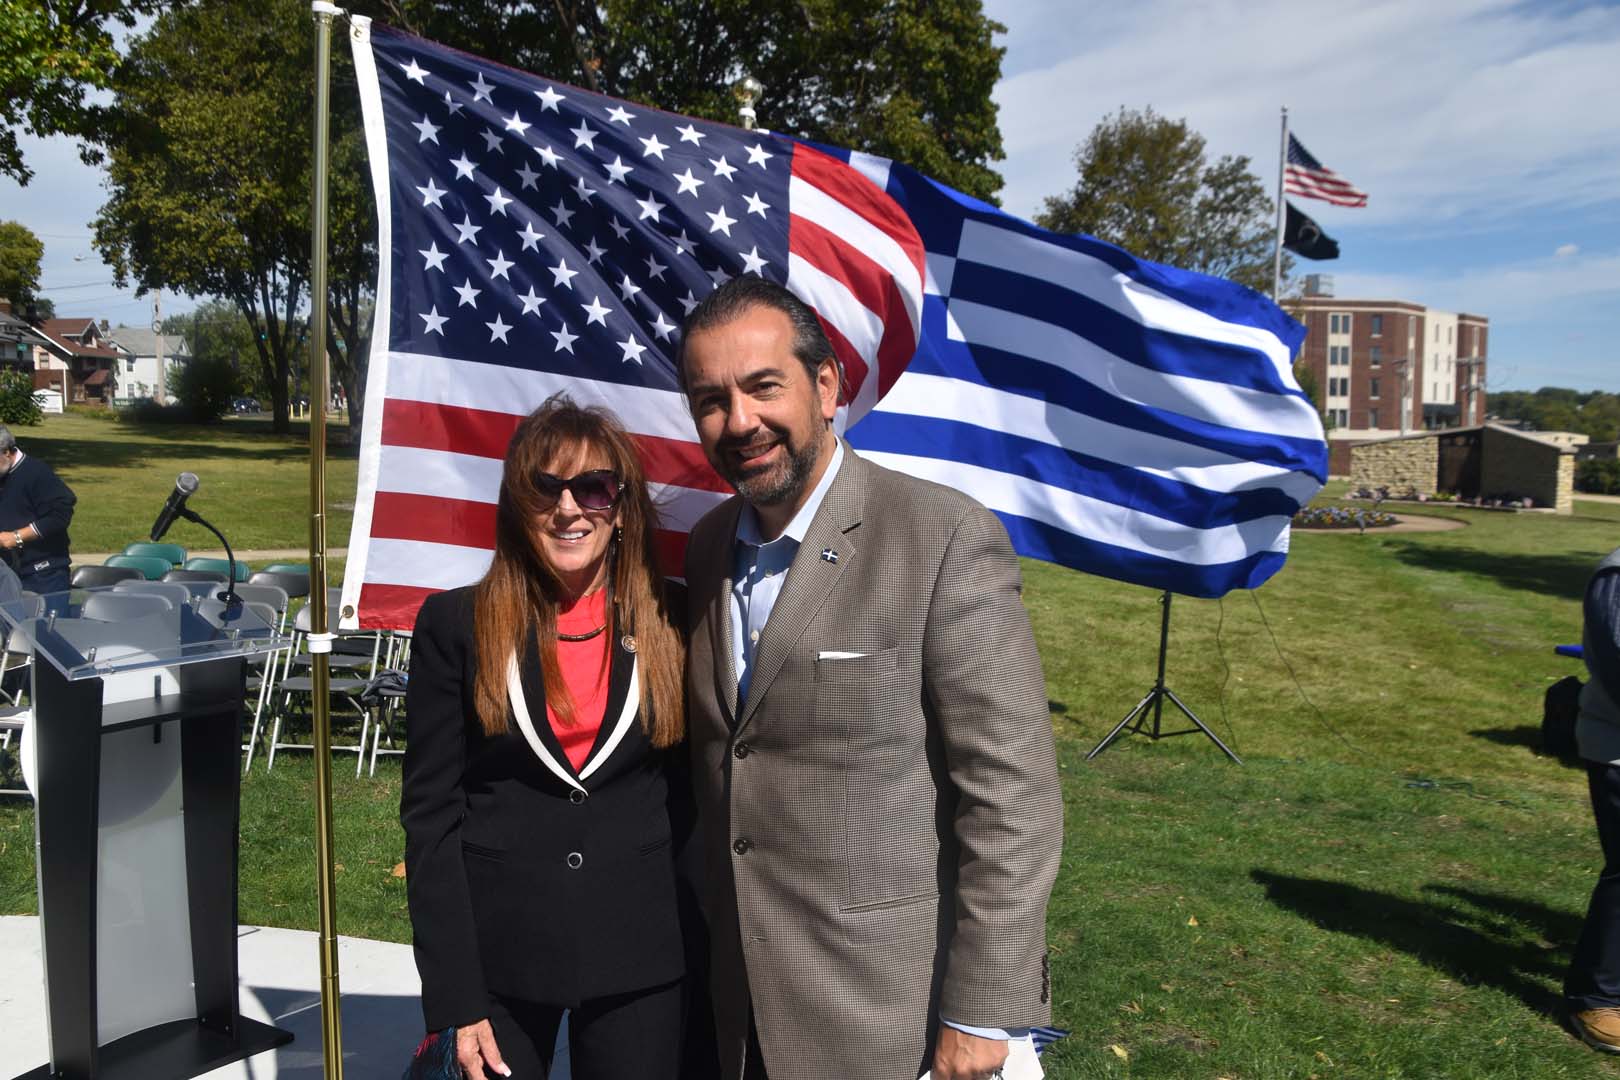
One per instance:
[(177, 1051)]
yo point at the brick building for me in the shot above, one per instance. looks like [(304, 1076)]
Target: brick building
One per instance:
[(1390, 367)]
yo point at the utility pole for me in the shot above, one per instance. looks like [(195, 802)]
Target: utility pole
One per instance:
[(1471, 386)]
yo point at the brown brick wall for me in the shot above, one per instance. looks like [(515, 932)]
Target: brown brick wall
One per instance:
[(1517, 466)]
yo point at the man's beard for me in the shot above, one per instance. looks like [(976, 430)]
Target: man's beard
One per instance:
[(784, 483)]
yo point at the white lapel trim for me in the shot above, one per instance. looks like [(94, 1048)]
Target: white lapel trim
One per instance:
[(520, 712), (632, 703)]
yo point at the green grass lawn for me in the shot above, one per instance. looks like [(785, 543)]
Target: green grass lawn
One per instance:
[(255, 485), (1388, 887)]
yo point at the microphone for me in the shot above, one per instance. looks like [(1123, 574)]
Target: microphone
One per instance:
[(185, 486)]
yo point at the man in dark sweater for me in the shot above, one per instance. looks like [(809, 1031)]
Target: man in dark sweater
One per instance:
[(1592, 985), (35, 509)]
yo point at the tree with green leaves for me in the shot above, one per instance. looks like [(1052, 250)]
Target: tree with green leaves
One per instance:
[(208, 154), (55, 52), (1147, 185), (20, 253), (907, 79)]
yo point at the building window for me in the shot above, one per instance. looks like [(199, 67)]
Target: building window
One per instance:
[(129, 364), (1448, 335), (1339, 355), (1377, 355), (1377, 325), (1372, 418), (1339, 324), (1333, 323), (1372, 390), (1341, 417)]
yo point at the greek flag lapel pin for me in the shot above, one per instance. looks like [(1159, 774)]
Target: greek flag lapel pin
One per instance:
[(829, 555)]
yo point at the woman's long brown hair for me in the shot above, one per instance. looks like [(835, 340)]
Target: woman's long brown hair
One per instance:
[(520, 593)]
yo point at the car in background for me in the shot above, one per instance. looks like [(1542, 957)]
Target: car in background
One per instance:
[(243, 405)]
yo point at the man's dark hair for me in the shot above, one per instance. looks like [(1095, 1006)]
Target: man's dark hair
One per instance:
[(737, 296)]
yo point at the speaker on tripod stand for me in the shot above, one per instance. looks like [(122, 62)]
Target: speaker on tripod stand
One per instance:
[(1136, 721)]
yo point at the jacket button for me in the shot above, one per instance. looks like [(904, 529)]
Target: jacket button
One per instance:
[(741, 750), (575, 860), (576, 796), (741, 845)]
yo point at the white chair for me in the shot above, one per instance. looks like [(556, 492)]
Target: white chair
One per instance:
[(345, 688)]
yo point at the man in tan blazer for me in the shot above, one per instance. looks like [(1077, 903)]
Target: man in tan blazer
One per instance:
[(872, 749)]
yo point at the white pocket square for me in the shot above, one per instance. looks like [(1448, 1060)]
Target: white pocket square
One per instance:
[(834, 654)]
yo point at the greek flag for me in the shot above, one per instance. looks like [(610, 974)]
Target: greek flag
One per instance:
[(1121, 417)]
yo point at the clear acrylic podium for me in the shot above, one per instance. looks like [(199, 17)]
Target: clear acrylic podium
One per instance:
[(134, 744)]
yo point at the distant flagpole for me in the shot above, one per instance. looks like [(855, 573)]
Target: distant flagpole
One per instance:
[(1282, 166)]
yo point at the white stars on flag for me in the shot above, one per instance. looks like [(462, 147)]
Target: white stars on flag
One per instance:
[(499, 265), (561, 275), (584, 136), (720, 221), (663, 327), (757, 205), (531, 302), (515, 123), (618, 115), (435, 258), (468, 294), (582, 191), (467, 232), (650, 207), (752, 263), (618, 170), (481, 89), (431, 194), (565, 341), (722, 168), (464, 167), (561, 214), (689, 183), (758, 156), (427, 130), (531, 236), (497, 331), (628, 289), (632, 349), (548, 156), (435, 322), (415, 72), (652, 148), (548, 99), (497, 202), (691, 134), (530, 178), (596, 311)]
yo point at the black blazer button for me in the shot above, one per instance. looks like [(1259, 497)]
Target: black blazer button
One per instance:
[(575, 860), (576, 796), (741, 845), (741, 750)]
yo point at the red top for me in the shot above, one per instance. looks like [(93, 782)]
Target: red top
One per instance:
[(584, 667)]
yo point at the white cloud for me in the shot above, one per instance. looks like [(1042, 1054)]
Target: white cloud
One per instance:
[(1566, 250), (1529, 289), (1450, 108)]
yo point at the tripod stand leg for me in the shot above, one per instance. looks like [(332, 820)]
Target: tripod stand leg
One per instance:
[(1214, 738), (1137, 713)]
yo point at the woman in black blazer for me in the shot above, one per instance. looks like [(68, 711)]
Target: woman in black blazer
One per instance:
[(543, 712)]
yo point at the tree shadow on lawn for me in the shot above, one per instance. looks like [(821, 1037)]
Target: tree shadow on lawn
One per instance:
[(1475, 937), (1563, 575), (65, 455), (1526, 735)]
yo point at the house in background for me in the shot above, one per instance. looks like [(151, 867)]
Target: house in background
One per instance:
[(18, 341), (139, 372), (76, 361)]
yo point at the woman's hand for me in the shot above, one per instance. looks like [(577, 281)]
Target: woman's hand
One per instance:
[(475, 1048)]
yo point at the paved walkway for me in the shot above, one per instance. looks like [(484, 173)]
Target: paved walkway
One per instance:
[(280, 972), (1587, 495)]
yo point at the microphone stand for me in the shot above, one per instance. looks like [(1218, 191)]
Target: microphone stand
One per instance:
[(232, 601)]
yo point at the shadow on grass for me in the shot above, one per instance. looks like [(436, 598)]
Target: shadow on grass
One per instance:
[(69, 454), (1562, 574), (1475, 937), (1527, 735)]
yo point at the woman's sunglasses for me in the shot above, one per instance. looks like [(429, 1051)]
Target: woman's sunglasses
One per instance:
[(597, 489)]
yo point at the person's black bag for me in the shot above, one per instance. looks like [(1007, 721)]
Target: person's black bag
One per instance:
[(1558, 711)]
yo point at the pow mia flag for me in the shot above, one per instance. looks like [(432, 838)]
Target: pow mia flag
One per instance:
[(1305, 237)]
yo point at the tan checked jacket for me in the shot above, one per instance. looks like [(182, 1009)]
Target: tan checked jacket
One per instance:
[(881, 830)]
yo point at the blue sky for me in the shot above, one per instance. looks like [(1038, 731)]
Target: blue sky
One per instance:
[(1486, 133)]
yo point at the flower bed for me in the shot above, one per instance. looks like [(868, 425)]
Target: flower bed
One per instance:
[(1337, 517)]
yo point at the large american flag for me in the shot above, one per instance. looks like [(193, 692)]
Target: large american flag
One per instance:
[(1121, 417), (1306, 176)]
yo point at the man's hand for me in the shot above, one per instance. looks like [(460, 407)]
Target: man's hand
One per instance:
[(960, 1056), (475, 1048)]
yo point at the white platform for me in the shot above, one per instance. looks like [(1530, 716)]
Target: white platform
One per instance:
[(280, 978)]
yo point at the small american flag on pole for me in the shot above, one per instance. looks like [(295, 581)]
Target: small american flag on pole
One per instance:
[(1306, 176)]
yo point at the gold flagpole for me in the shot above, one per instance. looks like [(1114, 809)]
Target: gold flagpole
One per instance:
[(320, 639)]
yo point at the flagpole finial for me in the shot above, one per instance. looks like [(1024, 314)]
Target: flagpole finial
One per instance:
[(748, 91), (321, 7)]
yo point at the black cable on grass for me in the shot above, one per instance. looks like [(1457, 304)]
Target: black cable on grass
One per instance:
[(1323, 720)]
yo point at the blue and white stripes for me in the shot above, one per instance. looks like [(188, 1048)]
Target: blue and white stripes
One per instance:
[(1121, 417)]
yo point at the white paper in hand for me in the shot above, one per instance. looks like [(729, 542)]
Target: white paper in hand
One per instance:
[(1022, 1062)]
